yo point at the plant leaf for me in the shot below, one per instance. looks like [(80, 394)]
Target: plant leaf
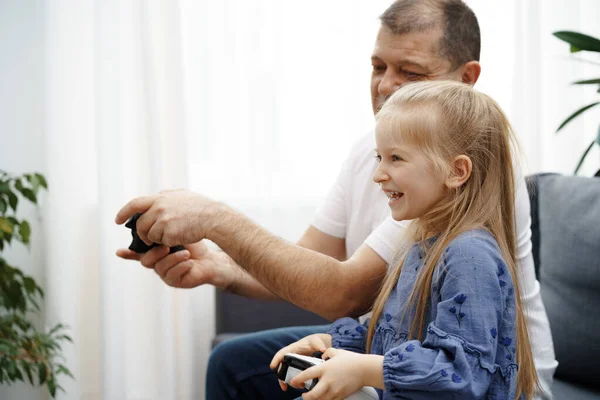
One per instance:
[(52, 387), (587, 82), (28, 193), (579, 41), (29, 284), (42, 373), (575, 114), (4, 188), (42, 180), (6, 226), (64, 370), (25, 231), (583, 156), (13, 200), (19, 185), (2, 206), (27, 368)]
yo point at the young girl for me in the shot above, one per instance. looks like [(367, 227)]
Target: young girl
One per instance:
[(448, 321)]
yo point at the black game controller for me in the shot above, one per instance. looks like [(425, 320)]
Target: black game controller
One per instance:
[(138, 244)]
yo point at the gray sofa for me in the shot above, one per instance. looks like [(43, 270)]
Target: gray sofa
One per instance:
[(236, 315), (565, 214)]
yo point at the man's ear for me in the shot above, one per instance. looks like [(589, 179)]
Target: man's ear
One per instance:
[(470, 72), (461, 168)]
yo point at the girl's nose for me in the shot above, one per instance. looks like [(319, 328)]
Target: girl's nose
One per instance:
[(380, 176)]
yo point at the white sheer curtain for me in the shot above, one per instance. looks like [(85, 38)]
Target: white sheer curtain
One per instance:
[(115, 130), (257, 102), (279, 91), (529, 72)]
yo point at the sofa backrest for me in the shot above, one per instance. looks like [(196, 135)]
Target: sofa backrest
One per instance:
[(237, 314), (566, 239)]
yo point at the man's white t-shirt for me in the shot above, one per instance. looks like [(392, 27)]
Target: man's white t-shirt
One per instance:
[(357, 210)]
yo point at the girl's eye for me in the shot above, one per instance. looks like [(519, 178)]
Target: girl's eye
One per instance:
[(378, 158), (396, 158)]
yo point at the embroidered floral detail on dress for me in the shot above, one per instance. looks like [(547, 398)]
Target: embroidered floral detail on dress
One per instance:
[(460, 299), (500, 270), (507, 341), (456, 378), (444, 374)]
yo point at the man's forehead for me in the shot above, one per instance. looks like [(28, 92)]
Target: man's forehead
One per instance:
[(411, 42), (419, 49)]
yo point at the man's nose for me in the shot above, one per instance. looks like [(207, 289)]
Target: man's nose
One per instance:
[(389, 83)]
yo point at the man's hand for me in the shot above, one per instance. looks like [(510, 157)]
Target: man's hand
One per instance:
[(195, 266), (172, 218)]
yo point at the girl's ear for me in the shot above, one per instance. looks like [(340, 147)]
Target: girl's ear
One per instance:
[(461, 168)]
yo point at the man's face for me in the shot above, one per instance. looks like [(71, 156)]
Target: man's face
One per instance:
[(398, 59)]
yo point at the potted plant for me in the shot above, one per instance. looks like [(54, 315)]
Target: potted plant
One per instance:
[(26, 353), (580, 42)]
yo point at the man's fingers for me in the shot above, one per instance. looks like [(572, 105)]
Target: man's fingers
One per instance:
[(154, 255), (170, 260), (137, 205), (145, 224), (174, 275), (164, 266), (127, 254)]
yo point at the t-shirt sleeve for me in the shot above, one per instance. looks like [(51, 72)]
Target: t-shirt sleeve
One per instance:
[(332, 215), (386, 238)]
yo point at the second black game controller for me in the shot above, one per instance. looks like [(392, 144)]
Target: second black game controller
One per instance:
[(138, 244)]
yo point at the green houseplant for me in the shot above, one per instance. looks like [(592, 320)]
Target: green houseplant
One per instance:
[(580, 42), (25, 352)]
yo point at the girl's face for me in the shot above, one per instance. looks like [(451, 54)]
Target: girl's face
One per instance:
[(406, 176)]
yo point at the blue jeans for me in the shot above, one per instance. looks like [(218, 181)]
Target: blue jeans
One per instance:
[(239, 368)]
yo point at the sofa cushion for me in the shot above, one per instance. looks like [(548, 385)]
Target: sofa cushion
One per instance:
[(562, 390), (569, 223)]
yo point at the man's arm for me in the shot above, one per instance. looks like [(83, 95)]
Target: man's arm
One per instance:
[(307, 278), (323, 243), (311, 280), (246, 285), (200, 265)]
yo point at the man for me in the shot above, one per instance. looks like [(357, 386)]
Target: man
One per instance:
[(418, 40)]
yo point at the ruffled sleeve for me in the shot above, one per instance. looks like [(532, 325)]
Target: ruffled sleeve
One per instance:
[(349, 334)]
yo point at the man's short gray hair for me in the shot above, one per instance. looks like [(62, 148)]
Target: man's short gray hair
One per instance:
[(461, 39)]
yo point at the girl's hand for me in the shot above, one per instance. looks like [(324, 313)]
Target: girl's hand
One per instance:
[(341, 375), (305, 346)]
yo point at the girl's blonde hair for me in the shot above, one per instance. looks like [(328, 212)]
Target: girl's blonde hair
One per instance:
[(447, 119)]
